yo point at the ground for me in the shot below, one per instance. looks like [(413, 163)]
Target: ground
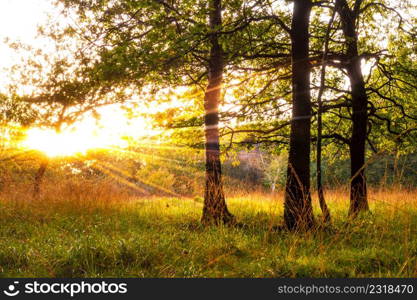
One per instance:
[(162, 237)]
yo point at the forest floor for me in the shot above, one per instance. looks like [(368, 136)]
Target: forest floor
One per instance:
[(162, 237)]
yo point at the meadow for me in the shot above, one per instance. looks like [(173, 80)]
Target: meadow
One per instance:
[(118, 117), (95, 231)]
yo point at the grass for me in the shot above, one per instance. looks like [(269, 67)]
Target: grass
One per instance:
[(86, 236)]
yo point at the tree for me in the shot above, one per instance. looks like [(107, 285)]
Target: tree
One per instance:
[(37, 183), (358, 193), (215, 209), (298, 212), (244, 48), (140, 46), (320, 192)]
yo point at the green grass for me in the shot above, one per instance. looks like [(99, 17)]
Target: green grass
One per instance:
[(163, 238)]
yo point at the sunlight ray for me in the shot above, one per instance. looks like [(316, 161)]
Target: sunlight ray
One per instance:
[(145, 182)]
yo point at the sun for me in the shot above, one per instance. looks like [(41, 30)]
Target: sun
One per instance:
[(89, 133), (68, 143)]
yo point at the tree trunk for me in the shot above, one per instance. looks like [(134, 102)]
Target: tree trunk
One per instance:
[(358, 191), (215, 209), (320, 192), (38, 179), (298, 212)]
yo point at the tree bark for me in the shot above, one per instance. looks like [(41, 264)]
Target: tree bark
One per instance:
[(298, 212), (358, 190), (215, 209)]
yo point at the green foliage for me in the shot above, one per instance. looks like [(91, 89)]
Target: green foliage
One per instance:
[(13, 111), (113, 51)]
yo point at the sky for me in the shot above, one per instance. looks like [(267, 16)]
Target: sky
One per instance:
[(18, 21), (19, 17)]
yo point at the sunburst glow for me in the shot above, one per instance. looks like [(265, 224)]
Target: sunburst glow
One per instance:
[(68, 143), (88, 134)]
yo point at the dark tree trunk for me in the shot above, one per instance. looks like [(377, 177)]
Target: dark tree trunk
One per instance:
[(320, 191), (358, 193), (298, 213), (38, 179), (215, 209)]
